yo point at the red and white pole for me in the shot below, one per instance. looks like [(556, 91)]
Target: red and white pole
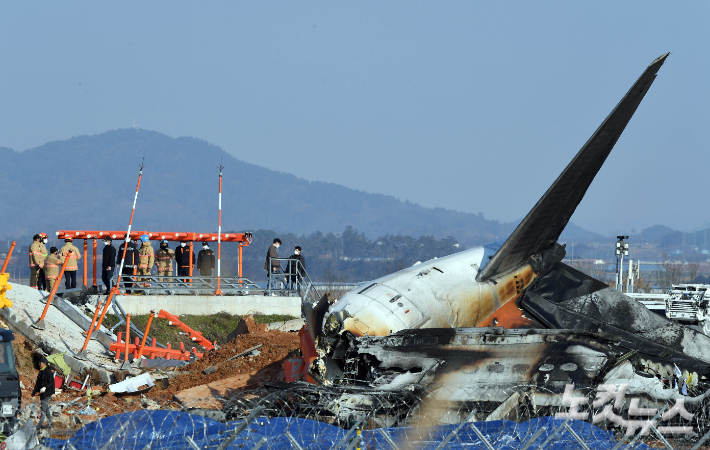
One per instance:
[(219, 232), (114, 290)]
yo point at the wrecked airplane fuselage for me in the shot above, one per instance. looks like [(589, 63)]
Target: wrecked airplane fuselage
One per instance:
[(415, 327)]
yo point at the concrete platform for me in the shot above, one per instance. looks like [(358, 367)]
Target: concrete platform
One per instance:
[(208, 304)]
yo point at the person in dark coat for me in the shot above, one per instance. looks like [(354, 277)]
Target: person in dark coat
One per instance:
[(182, 258), (130, 265), (109, 263), (296, 269), (272, 266), (205, 260), (45, 388)]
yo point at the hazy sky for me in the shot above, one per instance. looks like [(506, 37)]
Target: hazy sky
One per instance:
[(472, 106)]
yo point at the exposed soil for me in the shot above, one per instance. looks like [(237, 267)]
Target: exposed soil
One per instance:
[(251, 372), (276, 346), (23, 360), (215, 327)]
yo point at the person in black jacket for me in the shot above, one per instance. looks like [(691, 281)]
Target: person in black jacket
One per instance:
[(45, 388), (109, 263), (182, 258), (296, 269), (205, 260), (130, 265)]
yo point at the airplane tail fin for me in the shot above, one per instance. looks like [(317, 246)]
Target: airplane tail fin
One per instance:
[(543, 225)]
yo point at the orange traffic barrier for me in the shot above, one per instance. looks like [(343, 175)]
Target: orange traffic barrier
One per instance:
[(40, 323), (7, 258), (195, 336)]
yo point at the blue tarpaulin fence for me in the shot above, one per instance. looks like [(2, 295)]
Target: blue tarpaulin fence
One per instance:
[(170, 429)]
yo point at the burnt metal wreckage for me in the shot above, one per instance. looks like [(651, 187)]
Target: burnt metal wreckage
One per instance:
[(504, 329)]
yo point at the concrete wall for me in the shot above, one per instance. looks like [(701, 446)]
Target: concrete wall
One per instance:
[(208, 304)]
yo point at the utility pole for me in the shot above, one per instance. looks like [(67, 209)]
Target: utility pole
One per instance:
[(219, 232), (622, 249)]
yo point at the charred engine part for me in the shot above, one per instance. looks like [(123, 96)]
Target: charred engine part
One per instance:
[(566, 298), (484, 360), (503, 374)]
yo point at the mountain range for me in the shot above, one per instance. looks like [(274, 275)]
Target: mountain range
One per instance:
[(88, 182)]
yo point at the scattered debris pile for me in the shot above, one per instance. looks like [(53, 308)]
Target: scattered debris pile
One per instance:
[(84, 396), (219, 373)]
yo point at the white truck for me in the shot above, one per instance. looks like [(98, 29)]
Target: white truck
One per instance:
[(686, 303)]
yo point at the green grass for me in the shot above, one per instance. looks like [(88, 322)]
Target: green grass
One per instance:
[(268, 318), (215, 327)]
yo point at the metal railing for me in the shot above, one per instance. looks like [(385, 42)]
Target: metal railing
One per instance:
[(185, 285), (285, 283), (293, 279)]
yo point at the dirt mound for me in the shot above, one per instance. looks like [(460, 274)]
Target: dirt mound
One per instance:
[(246, 325), (266, 366)]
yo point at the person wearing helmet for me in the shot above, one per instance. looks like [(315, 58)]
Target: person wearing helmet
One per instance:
[(164, 260), (52, 266), (72, 266), (146, 256), (108, 262), (36, 252)]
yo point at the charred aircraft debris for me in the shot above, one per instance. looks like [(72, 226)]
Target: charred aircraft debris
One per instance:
[(507, 324)]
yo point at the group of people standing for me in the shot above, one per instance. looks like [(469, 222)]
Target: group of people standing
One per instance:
[(140, 259), (45, 265), (295, 270)]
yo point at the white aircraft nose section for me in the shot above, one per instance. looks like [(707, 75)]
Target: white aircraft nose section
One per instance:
[(397, 304)]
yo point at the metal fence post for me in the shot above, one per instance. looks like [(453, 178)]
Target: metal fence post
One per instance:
[(576, 437), (483, 438), (661, 438), (233, 434), (388, 439), (347, 435), (701, 441), (293, 441), (638, 436), (260, 443), (115, 435), (456, 431), (533, 438), (553, 434), (191, 442)]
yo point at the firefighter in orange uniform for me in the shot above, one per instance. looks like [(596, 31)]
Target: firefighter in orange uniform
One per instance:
[(146, 257), (52, 266), (37, 256), (164, 260), (72, 265)]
